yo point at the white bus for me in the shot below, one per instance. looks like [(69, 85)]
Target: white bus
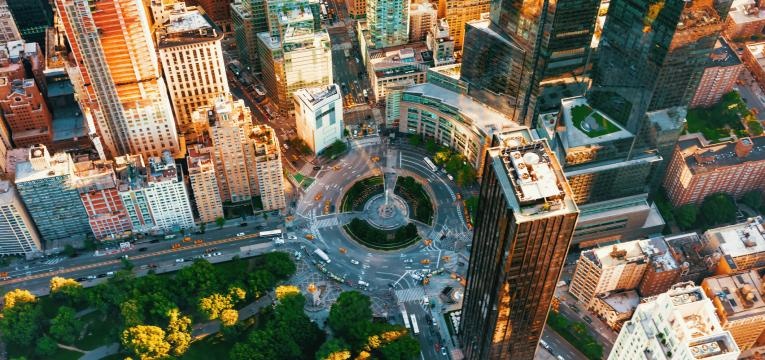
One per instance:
[(406, 318), (276, 232), (430, 164), (415, 328)]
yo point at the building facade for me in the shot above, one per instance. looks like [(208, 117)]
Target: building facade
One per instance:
[(720, 75), (357, 9), (388, 22), (738, 247), (167, 195), (25, 112), (248, 18), (617, 220), (616, 307), (319, 116), (97, 185), (441, 43), (46, 185), (268, 167), (18, 235), (754, 59), (204, 184), (738, 302), (422, 16), (131, 172), (678, 324), (32, 18), (457, 13), (192, 60), (8, 29), (698, 170), (219, 11), (522, 234), (744, 21)]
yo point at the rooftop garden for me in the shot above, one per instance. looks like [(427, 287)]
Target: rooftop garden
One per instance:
[(591, 122), (722, 119)]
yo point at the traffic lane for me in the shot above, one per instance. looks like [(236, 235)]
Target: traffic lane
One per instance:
[(426, 336), (559, 345)]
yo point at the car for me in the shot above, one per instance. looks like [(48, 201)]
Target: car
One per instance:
[(291, 237), (109, 273), (217, 254), (588, 319), (91, 277), (443, 350), (101, 276), (179, 260), (317, 168), (243, 224), (545, 344), (154, 241), (142, 249), (560, 357), (354, 262), (81, 279), (258, 227), (240, 234)]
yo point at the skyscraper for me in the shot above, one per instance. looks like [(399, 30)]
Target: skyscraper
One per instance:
[(520, 46), (388, 22), (32, 18), (124, 92), (268, 167), (18, 235), (524, 228), (248, 18)]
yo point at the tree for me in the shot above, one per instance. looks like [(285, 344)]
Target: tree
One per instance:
[(59, 284), (212, 306), (229, 317), (260, 281), (350, 317), (236, 294), (46, 347), (334, 349), (718, 209), (70, 251), (65, 326), (685, 216), (286, 290), (404, 348), (18, 296), (132, 312), (279, 264), (415, 140), (21, 323), (202, 227), (753, 199), (199, 279), (145, 341), (431, 146), (178, 332), (220, 221)]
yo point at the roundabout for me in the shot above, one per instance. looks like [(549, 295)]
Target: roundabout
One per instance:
[(395, 221)]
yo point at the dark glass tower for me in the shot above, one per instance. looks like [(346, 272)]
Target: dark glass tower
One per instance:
[(524, 228), (32, 18), (506, 58)]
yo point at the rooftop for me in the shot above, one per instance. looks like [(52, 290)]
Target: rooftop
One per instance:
[(473, 113), (586, 126), (316, 95), (94, 175), (185, 27), (623, 301), (746, 12), (739, 295), (7, 192), (739, 239), (701, 158), (723, 55), (619, 254), (757, 50), (396, 60), (47, 166), (533, 184)]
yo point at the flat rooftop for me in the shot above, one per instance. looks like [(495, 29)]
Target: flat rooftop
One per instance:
[(530, 176), (586, 125), (740, 295), (60, 165), (745, 12), (618, 254), (187, 27), (623, 301), (701, 159), (318, 94), (723, 55), (739, 239), (756, 51), (473, 113)]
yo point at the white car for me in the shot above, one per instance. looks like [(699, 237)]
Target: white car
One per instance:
[(354, 262), (179, 260), (240, 234), (217, 254)]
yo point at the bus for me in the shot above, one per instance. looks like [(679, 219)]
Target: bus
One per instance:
[(415, 328), (406, 318), (430, 164), (276, 232)]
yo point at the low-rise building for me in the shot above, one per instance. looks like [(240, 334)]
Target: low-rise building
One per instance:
[(607, 269), (452, 119), (678, 324), (18, 235), (97, 184), (738, 301), (738, 247), (620, 219), (753, 57), (698, 170), (319, 116), (745, 19), (720, 75), (663, 269), (616, 307)]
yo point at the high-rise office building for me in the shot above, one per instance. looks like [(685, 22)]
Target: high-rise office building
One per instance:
[(204, 183), (248, 18), (388, 22), (122, 89), (32, 18), (457, 13), (46, 185), (8, 29), (522, 45), (678, 324), (268, 167), (524, 228), (294, 54), (18, 235), (228, 125), (192, 60), (319, 116)]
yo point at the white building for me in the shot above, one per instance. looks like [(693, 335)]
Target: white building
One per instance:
[(167, 196), (319, 116), (441, 43), (192, 60), (678, 324), (18, 235)]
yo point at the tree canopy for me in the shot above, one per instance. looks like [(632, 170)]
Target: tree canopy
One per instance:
[(350, 317), (718, 209), (146, 342)]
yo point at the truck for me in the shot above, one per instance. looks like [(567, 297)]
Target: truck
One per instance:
[(322, 255)]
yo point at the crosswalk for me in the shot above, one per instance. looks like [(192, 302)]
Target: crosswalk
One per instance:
[(53, 261), (326, 222), (410, 295)]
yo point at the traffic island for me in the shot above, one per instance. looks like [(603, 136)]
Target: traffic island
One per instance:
[(417, 199), (372, 237)]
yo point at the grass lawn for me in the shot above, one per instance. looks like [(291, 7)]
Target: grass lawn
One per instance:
[(303, 180), (100, 332), (717, 121), (580, 113)]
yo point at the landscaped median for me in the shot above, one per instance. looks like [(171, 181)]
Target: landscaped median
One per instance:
[(421, 209), (374, 238), (361, 192)]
